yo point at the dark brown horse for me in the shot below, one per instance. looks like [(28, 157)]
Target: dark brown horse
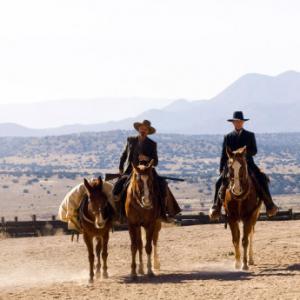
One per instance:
[(241, 204), (96, 214), (143, 210)]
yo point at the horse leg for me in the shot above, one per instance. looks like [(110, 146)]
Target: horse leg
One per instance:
[(140, 248), (251, 260), (89, 243), (149, 238), (98, 251), (235, 232), (133, 234), (155, 241), (247, 229), (105, 254)]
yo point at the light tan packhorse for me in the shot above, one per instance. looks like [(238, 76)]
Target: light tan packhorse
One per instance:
[(241, 204), (96, 217), (143, 210)]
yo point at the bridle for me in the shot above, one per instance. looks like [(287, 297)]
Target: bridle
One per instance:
[(138, 194), (94, 212)]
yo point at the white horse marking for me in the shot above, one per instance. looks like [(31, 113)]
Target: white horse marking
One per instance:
[(146, 190), (236, 169)]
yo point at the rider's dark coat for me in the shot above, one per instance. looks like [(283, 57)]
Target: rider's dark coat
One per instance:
[(235, 140), (133, 149)]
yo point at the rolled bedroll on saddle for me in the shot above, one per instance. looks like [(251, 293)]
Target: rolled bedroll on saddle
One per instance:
[(68, 209)]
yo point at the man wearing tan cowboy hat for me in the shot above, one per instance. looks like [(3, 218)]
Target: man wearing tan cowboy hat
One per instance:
[(236, 139), (141, 150)]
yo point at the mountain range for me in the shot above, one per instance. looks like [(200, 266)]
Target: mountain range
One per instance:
[(271, 102)]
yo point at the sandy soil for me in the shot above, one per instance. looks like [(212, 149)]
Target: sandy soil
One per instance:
[(197, 263)]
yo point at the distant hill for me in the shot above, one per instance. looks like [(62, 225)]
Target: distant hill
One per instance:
[(272, 104)]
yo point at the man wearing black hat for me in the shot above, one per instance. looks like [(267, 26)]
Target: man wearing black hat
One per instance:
[(141, 150), (236, 139)]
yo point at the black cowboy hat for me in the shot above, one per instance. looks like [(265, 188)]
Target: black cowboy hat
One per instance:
[(151, 130), (238, 116)]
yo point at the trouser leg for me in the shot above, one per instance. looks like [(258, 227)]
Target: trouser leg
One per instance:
[(217, 201), (265, 193)]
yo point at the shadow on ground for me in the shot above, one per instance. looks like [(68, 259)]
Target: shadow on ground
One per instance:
[(181, 277)]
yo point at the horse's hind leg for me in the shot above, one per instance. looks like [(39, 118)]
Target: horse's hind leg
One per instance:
[(140, 248), (247, 230), (235, 232), (155, 241), (89, 243), (105, 253), (98, 251)]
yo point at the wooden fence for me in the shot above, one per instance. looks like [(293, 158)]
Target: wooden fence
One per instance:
[(35, 228)]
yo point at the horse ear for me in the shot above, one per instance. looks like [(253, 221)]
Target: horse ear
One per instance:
[(229, 152), (244, 150), (151, 163), (100, 181), (134, 167), (87, 185)]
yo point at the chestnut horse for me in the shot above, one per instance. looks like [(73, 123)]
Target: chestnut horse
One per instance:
[(143, 210), (96, 214), (241, 204)]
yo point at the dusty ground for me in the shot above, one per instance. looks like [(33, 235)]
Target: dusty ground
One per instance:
[(197, 263)]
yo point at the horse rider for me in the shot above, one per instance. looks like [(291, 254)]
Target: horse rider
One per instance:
[(141, 149), (236, 139)]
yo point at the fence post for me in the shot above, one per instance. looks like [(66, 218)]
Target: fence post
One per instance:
[(53, 218), (16, 219), (34, 218), (3, 221)]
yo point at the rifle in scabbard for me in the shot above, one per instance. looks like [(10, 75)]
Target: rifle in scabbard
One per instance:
[(112, 176)]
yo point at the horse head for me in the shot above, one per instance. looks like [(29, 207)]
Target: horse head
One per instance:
[(142, 184), (238, 170), (98, 201)]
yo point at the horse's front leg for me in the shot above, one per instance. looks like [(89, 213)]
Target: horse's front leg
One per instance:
[(251, 258), (89, 243), (133, 237), (140, 249), (235, 232), (155, 242), (98, 251), (149, 238), (105, 253), (247, 229)]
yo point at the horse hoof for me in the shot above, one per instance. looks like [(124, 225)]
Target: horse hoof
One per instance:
[(238, 265), (105, 275), (91, 281), (98, 275), (150, 274), (245, 267), (141, 271), (157, 266)]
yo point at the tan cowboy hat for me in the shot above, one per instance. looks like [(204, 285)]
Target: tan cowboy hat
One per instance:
[(137, 125)]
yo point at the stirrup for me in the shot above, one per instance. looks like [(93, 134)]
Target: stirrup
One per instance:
[(214, 214), (272, 212)]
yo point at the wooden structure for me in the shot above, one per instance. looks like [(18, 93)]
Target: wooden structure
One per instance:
[(36, 228)]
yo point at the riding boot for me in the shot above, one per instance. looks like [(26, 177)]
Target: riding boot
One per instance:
[(171, 206), (215, 211), (271, 208)]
